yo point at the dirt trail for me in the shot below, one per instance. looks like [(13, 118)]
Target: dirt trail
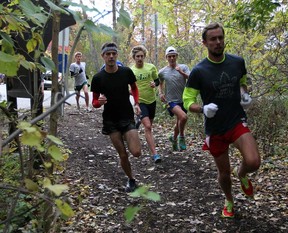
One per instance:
[(191, 200)]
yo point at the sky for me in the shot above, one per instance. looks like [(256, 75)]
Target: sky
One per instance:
[(101, 5)]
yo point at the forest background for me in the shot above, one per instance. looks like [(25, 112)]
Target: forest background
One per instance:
[(255, 30)]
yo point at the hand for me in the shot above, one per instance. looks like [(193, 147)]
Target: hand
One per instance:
[(245, 100), (76, 70), (162, 98), (137, 109), (102, 99), (152, 84), (178, 69), (210, 110)]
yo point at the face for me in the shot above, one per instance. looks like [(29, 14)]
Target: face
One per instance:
[(215, 42), (78, 57), (172, 59), (110, 58), (139, 59)]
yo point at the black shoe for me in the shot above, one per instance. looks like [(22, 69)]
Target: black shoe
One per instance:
[(131, 186)]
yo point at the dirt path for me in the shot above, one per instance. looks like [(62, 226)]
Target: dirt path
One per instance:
[(191, 200)]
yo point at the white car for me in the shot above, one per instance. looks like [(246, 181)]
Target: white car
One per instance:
[(47, 79)]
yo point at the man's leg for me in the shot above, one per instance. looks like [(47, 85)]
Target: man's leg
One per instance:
[(85, 89), (224, 177), (148, 134), (118, 143), (133, 142), (181, 119), (248, 147), (77, 99)]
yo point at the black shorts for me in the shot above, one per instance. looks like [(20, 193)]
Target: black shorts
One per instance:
[(148, 110), (78, 88), (122, 126)]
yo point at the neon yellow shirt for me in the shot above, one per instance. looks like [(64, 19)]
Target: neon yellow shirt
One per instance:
[(145, 75)]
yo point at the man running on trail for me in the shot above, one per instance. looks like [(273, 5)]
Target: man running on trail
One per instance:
[(221, 81)]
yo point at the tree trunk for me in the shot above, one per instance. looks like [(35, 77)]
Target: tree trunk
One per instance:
[(114, 19), (47, 210), (55, 84)]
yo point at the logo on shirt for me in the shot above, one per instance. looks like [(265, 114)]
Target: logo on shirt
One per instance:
[(225, 87)]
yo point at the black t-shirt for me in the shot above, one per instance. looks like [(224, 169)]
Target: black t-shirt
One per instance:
[(219, 83), (115, 86)]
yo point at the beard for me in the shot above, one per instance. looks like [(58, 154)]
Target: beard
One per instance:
[(218, 53)]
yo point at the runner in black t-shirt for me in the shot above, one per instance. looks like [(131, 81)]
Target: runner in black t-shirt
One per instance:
[(110, 88)]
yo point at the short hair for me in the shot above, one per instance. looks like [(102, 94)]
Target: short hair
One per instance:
[(77, 53), (106, 46), (211, 26), (137, 49)]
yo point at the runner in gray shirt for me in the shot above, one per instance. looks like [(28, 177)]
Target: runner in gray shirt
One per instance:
[(173, 79), (77, 71)]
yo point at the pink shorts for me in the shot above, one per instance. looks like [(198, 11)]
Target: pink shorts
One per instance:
[(218, 144)]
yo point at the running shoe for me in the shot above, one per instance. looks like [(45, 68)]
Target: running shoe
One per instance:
[(182, 143), (131, 186), (157, 158), (174, 143), (228, 210), (246, 185)]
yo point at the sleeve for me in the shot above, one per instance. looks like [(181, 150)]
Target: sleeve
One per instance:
[(155, 76), (95, 101), (191, 90), (160, 75), (157, 82), (95, 85), (186, 70), (189, 96), (135, 92), (193, 80), (131, 75), (243, 81)]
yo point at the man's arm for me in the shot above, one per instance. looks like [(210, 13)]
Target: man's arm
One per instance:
[(189, 100), (135, 93), (161, 90)]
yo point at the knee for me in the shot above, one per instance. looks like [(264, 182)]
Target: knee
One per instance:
[(148, 128), (137, 153), (183, 118), (254, 163)]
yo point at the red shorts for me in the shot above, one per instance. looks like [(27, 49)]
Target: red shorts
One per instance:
[(218, 144)]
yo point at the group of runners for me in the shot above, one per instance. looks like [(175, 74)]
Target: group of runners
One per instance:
[(221, 81)]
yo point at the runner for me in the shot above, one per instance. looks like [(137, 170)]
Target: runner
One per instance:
[(110, 88), (173, 79), (147, 81), (221, 81)]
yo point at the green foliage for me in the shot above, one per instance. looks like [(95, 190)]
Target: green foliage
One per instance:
[(131, 212), (39, 188), (124, 18), (144, 193), (268, 119), (254, 14)]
